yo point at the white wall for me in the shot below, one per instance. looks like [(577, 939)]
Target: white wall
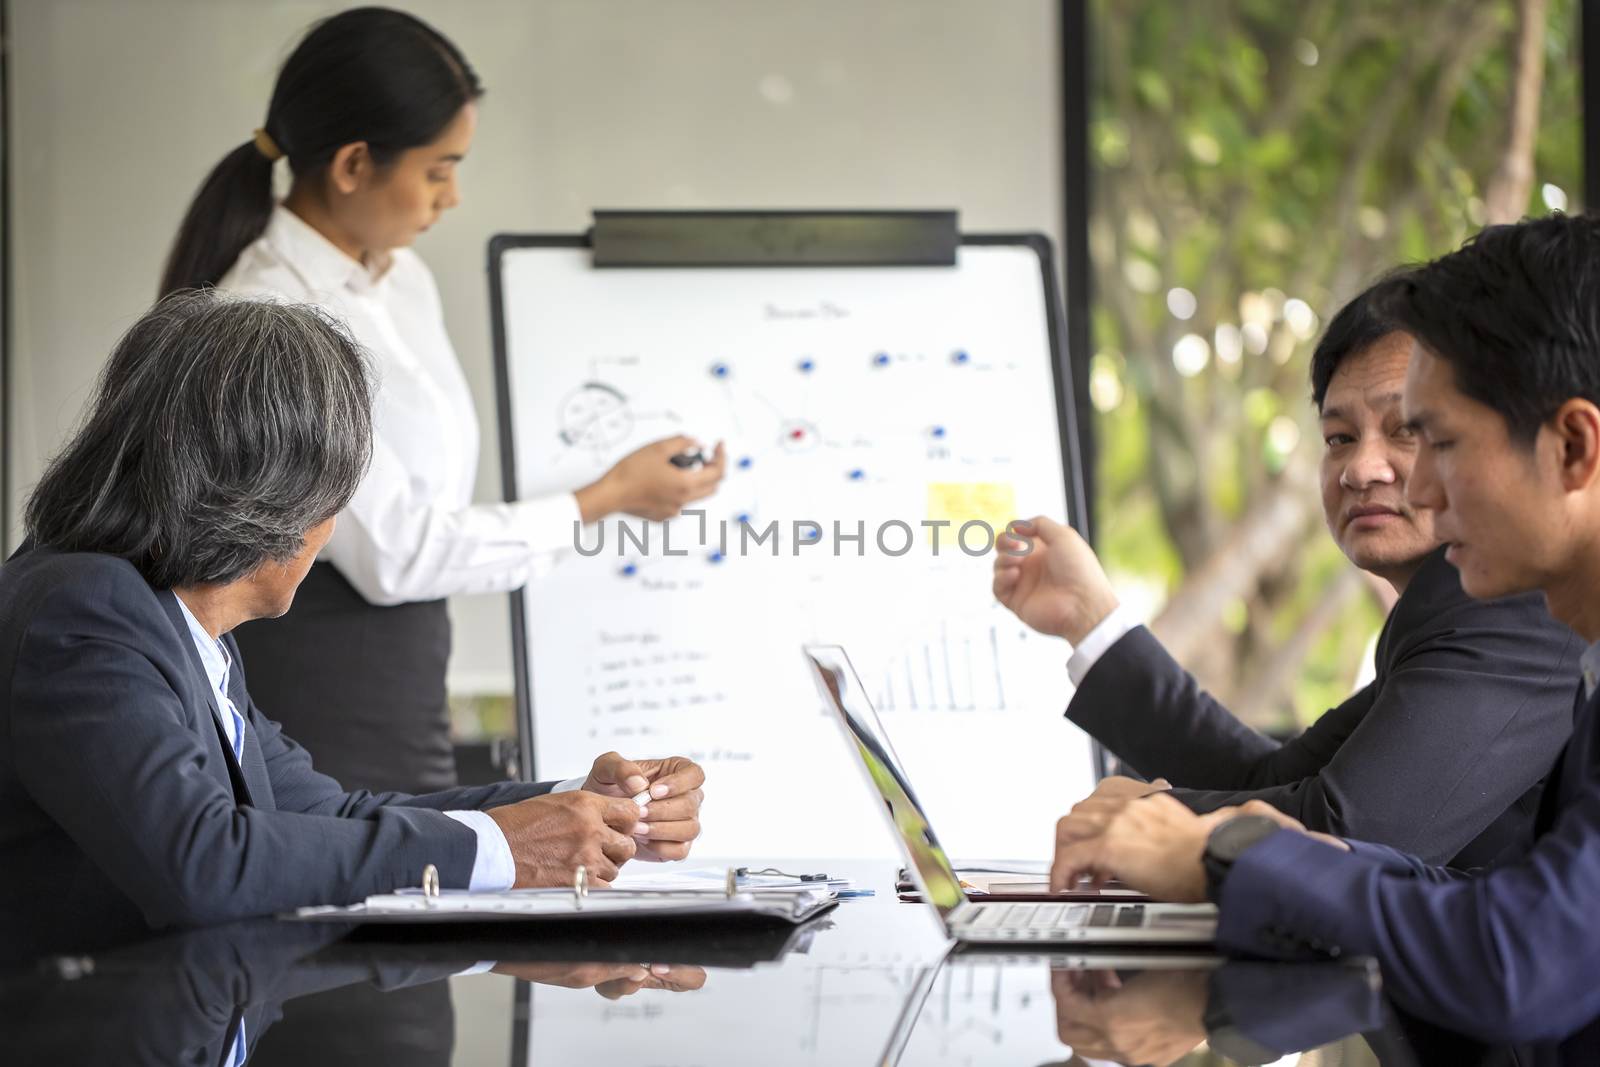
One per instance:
[(119, 107)]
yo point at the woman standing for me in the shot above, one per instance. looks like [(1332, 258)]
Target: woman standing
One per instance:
[(374, 111)]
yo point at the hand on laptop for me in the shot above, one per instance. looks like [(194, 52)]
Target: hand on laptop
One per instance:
[(669, 820), (1153, 846), (1114, 793), (1058, 587)]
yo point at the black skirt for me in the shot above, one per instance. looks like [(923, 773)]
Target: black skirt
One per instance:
[(361, 687)]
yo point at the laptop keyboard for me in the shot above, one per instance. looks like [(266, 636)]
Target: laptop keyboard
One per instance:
[(1042, 922)]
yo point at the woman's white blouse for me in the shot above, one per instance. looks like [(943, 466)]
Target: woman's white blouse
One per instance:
[(411, 532)]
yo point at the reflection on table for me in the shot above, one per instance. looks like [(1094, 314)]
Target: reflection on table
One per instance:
[(871, 983)]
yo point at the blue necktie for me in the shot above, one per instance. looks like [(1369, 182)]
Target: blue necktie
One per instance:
[(227, 703), (239, 730)]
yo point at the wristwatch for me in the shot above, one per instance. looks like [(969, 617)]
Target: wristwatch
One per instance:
[(1227, 843)]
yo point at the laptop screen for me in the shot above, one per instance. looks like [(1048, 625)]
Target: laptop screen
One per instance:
[(843, 694)]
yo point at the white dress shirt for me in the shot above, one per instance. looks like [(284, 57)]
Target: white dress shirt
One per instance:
[(215, 659), (493, 867), (1589, 663), (1098, 641), (412, 532)]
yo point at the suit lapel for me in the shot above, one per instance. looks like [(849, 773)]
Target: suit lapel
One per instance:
[(1435, 584), (211, 733)]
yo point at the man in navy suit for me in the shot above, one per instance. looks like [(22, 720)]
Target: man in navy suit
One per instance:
[(1443, 754), (1504, 392), (139, 785)]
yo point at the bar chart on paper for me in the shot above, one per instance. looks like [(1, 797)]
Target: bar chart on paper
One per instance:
[(880, 425)]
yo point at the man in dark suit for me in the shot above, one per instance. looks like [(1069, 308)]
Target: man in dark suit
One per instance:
[(1442, 754), (139, 785), (1504, 391)]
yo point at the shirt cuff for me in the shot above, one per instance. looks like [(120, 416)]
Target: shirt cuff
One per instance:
[(569, 785), (550, 525), (493, 868), (1098, 641)]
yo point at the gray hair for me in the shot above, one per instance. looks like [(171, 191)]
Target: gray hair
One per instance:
[(222, 430)]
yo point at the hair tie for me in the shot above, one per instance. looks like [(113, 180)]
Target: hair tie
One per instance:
[(267, 146)]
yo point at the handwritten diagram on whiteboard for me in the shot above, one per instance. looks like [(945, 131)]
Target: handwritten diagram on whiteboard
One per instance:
[(880, 424)]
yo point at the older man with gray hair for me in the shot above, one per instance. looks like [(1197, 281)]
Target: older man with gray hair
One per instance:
[(139, 785)]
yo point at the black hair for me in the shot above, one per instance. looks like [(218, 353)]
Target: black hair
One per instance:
[(1515, 312), (1358, 326), (368, 74), (221, 432)]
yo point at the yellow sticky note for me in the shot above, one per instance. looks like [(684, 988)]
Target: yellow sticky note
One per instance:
[(958, 502)]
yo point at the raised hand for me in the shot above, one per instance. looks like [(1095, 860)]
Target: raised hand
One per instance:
[(1050, 578)]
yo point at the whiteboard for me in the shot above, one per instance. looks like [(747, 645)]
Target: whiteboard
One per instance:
[(854, 402)]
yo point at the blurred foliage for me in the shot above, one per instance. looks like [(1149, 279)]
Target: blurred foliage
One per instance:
[(1255, 165)]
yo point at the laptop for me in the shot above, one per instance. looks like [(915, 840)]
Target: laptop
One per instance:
[(977, 922)]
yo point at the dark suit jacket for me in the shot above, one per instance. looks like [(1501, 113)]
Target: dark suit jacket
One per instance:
[(122, 806), (1441, 755), (1510, 955)]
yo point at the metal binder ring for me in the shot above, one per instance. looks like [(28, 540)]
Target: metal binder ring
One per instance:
[(430, 884), (580, 885)]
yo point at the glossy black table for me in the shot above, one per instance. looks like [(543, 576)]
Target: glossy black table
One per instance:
[(871, 982)]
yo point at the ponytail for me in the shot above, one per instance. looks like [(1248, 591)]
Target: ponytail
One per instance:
[(230, 211), (368, 74)]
